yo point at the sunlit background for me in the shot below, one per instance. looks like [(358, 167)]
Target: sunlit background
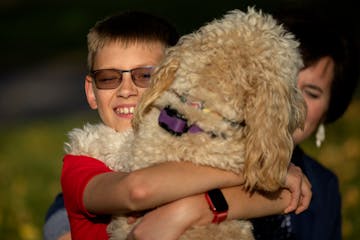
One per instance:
[(43, 63)]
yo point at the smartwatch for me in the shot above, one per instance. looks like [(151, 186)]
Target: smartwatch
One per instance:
[(217, 204)]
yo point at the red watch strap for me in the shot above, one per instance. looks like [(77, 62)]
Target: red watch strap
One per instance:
[(218, 216)]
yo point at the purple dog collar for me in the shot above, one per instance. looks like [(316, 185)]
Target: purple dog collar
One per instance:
[(194, 129), (173, 122)]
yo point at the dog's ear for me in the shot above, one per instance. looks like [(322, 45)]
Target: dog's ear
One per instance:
[(272, 114), (298, 111), (161, 80)]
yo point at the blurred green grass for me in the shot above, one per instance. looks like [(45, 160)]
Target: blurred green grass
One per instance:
[(31, 158), (30, 165)]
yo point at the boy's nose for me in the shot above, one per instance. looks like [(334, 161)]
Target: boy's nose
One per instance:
[(127, 87)]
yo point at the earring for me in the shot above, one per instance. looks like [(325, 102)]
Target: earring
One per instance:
[(320, 135)]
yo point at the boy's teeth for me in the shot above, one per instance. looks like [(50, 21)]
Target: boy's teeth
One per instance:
[(125, 110)]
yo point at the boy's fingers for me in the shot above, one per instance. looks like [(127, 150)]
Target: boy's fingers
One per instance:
[(300, 195), (291, 207), (131, 220), (306, 195), (295, 198)]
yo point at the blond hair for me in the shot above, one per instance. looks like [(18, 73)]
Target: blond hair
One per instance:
[(129, 27)]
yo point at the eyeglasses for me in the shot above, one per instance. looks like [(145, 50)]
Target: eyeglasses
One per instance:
[(112, 78)]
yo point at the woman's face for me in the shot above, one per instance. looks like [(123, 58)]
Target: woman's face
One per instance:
[(315, 84)]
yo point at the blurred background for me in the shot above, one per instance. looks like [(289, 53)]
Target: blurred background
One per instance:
[(43, 64)]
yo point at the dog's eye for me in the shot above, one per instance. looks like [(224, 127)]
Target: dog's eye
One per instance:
[(236, 124)]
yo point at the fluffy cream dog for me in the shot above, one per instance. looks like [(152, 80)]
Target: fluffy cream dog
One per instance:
[(224, 96)]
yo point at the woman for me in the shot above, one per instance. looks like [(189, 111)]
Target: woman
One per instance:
[(327, 81)]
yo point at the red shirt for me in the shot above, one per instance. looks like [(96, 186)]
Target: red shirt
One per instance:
[(76, 173)]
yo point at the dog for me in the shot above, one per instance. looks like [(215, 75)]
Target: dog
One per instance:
[(225, 96)]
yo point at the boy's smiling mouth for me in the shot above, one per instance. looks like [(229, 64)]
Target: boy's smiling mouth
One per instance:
[(124, 110)]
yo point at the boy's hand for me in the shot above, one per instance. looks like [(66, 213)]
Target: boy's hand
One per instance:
[(134, 216), (170, 221), (300, 188)]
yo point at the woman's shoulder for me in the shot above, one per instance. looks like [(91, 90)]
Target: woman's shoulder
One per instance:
[(312, 164), (314, 170)]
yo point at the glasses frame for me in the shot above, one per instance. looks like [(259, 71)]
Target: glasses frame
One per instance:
[(121, 72)]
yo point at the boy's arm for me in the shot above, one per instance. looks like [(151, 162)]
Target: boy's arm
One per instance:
[(179, 215), (171, 220), (116, 192)]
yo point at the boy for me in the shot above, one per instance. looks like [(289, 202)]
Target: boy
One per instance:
[(114, 93), (123, 50)]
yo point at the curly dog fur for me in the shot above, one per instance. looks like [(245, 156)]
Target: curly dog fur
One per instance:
[(243, 67), (241, 70)]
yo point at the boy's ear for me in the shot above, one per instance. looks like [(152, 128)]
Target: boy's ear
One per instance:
[(90, 95)]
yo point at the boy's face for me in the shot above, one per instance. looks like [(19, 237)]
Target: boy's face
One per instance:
[(116, 106)]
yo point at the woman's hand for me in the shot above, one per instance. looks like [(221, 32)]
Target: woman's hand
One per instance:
[(300, 188)]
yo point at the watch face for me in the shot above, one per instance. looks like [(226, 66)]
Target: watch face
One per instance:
[(218, 200)]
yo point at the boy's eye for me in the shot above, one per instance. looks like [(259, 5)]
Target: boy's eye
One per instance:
[(141, 74), (145, 75), (106, 79), (106, 76)]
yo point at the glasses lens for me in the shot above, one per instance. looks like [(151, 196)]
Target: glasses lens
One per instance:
[(141, 76), (107, 78)]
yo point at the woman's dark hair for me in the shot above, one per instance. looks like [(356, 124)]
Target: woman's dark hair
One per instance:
[(319, 38)]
